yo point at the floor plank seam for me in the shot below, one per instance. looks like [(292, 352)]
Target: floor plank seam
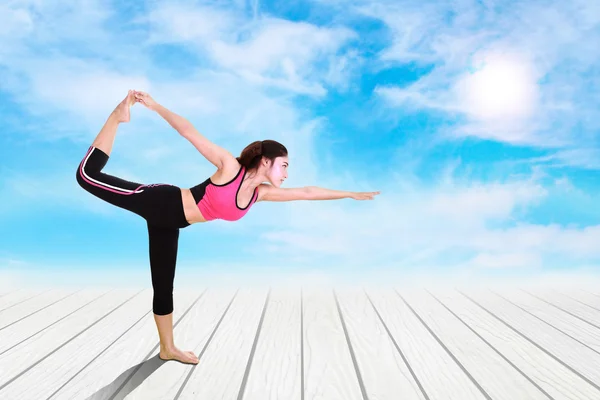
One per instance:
[(537, 345), (412, 372), (54, 323), (563, 310), (549, 324), (530, 380), (23, 301), (65, 343), (361, 384), (213, 333), (135, 370), (462, 367), (99, 354), (256, 337), (577, 300), (35, 312)]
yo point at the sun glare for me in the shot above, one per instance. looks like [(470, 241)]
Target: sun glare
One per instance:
[(503, 87)]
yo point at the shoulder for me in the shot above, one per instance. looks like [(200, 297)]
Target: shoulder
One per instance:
[(230, 163), (263, 189), (230, 169)]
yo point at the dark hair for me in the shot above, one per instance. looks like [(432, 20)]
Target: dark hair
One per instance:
[(255, 151)]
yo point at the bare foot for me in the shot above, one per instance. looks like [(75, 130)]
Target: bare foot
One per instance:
[(186, 357), (122, 110)]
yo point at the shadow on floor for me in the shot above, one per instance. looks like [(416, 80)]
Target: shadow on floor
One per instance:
[(129, 380)]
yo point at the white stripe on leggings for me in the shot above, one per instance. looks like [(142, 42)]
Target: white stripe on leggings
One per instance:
[(102, 183)]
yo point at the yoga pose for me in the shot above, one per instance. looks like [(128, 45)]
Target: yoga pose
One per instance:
[(228, 194)]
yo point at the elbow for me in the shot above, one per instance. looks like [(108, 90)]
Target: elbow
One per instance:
[(309, 193), (186, 129)]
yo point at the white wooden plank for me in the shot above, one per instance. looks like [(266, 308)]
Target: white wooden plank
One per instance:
[(385, 373), (194, 333), (52, 372), (578, 357), (4, 293), (328, 366), (582, 297), (136, 350), (16, 360), (276, 371), (36, 324), (440, 376), (548, 373), (18, 297), (565, 304), (565, 322), (592, 293), (221, 374), (33, 306), (493, 373)]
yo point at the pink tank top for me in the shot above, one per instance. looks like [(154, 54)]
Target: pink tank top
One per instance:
[(220, 201)]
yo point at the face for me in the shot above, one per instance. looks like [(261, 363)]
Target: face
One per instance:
[(278, 171)]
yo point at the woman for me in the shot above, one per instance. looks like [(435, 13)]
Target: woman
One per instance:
[(228, 194)]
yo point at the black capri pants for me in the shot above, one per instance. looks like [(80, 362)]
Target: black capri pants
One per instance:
[(159, 204)]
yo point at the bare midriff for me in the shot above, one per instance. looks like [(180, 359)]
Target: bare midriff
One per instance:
[(190, 208), (192, 213)]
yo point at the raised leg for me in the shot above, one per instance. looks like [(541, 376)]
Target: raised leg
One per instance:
[(106, 138)]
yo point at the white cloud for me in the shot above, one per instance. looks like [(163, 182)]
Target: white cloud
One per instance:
[(86, 90), (267, 51), (552, 45), (506, 260), (585, 158), (197, 25)]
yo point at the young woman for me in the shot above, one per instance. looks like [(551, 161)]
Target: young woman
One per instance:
[(228, 194)]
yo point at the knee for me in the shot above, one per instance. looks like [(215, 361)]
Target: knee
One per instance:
[(80, 176)]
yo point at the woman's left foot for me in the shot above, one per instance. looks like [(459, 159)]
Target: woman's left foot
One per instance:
[(122, 111)]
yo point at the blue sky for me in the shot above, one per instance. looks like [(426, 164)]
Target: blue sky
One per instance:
[(477, 120)]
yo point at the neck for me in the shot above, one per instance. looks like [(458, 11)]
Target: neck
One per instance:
[(252, 180)]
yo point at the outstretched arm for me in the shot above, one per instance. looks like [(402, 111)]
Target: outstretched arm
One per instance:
[(318, 193), (271, 193)]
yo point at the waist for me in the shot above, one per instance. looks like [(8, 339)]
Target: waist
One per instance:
[(190, 207)]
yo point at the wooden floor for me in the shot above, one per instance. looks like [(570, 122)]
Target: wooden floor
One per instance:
[(514, 343)]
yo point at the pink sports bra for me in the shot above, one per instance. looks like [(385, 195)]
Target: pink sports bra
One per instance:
[(220, 201)]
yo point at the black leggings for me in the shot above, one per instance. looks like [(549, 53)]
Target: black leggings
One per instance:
[(159, 204)]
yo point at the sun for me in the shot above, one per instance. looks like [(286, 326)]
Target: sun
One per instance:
[(501, 86)]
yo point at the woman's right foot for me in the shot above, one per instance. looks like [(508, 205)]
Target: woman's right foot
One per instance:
[(122, 110), (186, 357)]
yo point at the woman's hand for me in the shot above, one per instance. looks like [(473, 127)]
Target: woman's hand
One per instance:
[(145, 99), (364, 195)]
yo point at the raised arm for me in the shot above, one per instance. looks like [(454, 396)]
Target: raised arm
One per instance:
[(215, 154)]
